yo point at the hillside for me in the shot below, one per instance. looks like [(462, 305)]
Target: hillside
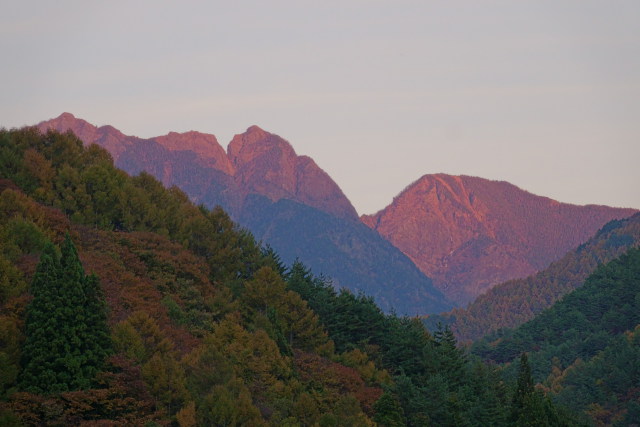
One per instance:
[(469, 234), (205, 327), (265, 185), (514, 302), (368, 263), (586, 347)]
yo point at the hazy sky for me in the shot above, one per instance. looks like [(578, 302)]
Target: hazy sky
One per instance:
[(543, 94)]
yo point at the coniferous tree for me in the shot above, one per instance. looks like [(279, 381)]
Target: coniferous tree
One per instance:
[(38, 373), (452, 359), (66, 336), (98, 343), (530, 407), (70, 316), (524, 387), (388, 411)]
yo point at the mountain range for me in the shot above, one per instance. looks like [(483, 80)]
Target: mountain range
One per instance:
[(469, 234), (123, 303), (173, 283), (466, 233)]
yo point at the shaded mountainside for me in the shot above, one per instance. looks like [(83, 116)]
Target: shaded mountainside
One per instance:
[(469, 234), (204, 326), (298, 231), (586, 347), (514, 302), (262, 164)]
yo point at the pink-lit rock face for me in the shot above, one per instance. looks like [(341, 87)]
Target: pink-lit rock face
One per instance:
[(267, 164), (257, 162), (84, 130), (106, 136), (206, 146), (316, 188), (469, 234)]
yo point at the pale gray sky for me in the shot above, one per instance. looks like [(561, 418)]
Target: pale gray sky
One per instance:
[(543, 94)]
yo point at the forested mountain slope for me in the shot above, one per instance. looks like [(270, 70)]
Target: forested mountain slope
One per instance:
[(205, 327), (514, 302), (586, 347)]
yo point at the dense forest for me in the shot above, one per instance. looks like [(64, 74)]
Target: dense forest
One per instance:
[(585, 350), (160, 312), (512, 303)]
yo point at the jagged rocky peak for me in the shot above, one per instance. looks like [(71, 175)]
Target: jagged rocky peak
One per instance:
[(87, 132), (256, 143), (66, 118), (204, 144), (257, 162), (105, 136), (267, 164), (469, 233)]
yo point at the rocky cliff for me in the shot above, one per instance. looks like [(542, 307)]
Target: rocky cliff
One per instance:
[(469, 233)]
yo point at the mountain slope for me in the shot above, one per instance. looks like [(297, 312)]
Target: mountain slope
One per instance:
[(266, 186), (514, 302), (470, 234), (367, 262), (587, 345)]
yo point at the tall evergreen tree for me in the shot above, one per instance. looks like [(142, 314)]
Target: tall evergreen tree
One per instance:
[(524, 387), (97, 346), (38, 373), (66, 335), (388, 411), (530, 407), (452, 359)]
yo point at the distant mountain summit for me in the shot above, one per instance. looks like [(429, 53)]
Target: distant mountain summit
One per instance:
[(206, 146), (105, 136), (267, 164), (257, 162), (470, 234), (284, 199)]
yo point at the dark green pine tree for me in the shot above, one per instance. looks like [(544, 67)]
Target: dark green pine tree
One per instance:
[(38, 371), (66, 335), (524, 388), (452, 361), (388, 411), (300, 280), (530, 407), (71, 319), (97, 346)]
